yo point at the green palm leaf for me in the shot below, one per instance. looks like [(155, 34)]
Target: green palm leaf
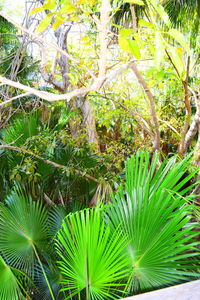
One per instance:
[(17, 133), (92, 257), (23, 228), (156, 223), (9, 283)]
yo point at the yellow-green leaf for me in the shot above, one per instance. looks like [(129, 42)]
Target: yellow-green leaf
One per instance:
[(50, 4), (179, 37), (18, 177), (144, 23), (68, 9), (138, 39), (57, 23), (134, 49), (125, 32), (130, 46), (161, 12), (124, 44), (177, 61), (44, 24), (36, 10)]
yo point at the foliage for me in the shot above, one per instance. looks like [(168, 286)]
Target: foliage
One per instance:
[(28, 132), (10, 284), (142, 240), (58, 159), (92, 258), (154, 215), (23, 229)]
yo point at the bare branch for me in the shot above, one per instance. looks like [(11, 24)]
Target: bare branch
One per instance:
[(51, 97), (47, 43), (141, 80), (14, 98)]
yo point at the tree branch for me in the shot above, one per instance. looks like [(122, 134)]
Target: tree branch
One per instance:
[(49, 162), (51, 97), (141, 80), (46, 42), (14, 98)]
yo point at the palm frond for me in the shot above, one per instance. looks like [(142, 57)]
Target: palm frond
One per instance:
[(155, 220), (23, 226), (92, 258), (9, 283)]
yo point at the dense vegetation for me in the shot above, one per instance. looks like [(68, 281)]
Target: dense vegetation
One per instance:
[(99, 148)]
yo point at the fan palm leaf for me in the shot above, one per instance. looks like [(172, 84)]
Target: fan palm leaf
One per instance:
[(9, 283), (179, 10), (23, 226), (92, 257), (155, 220), (17, 133)]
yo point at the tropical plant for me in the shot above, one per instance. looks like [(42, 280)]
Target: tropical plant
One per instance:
[(10, 282), (155, 215), (92, 258), (24, 233), (142, 240), (26, 132)]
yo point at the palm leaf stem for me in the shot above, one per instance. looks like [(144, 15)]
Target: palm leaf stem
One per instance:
[(43, 271)]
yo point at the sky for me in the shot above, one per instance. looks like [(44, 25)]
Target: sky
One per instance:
[(14, 8)]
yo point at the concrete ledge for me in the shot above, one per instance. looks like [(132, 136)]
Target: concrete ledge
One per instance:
[(186, 291)]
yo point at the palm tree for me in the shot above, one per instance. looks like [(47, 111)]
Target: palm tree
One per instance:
[(142, 240), (179, 11)]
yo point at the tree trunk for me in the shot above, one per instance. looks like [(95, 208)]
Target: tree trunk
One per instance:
[(141, 80), (194, 127), (90, 124), (182, 148)]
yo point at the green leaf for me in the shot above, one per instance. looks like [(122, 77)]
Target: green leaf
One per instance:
[(144, 23), (161, 11), (134, 49), (177, 61), (23, 225), (179, 37), (9, 283), (153, 214), (92, 258), (44, 24)]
